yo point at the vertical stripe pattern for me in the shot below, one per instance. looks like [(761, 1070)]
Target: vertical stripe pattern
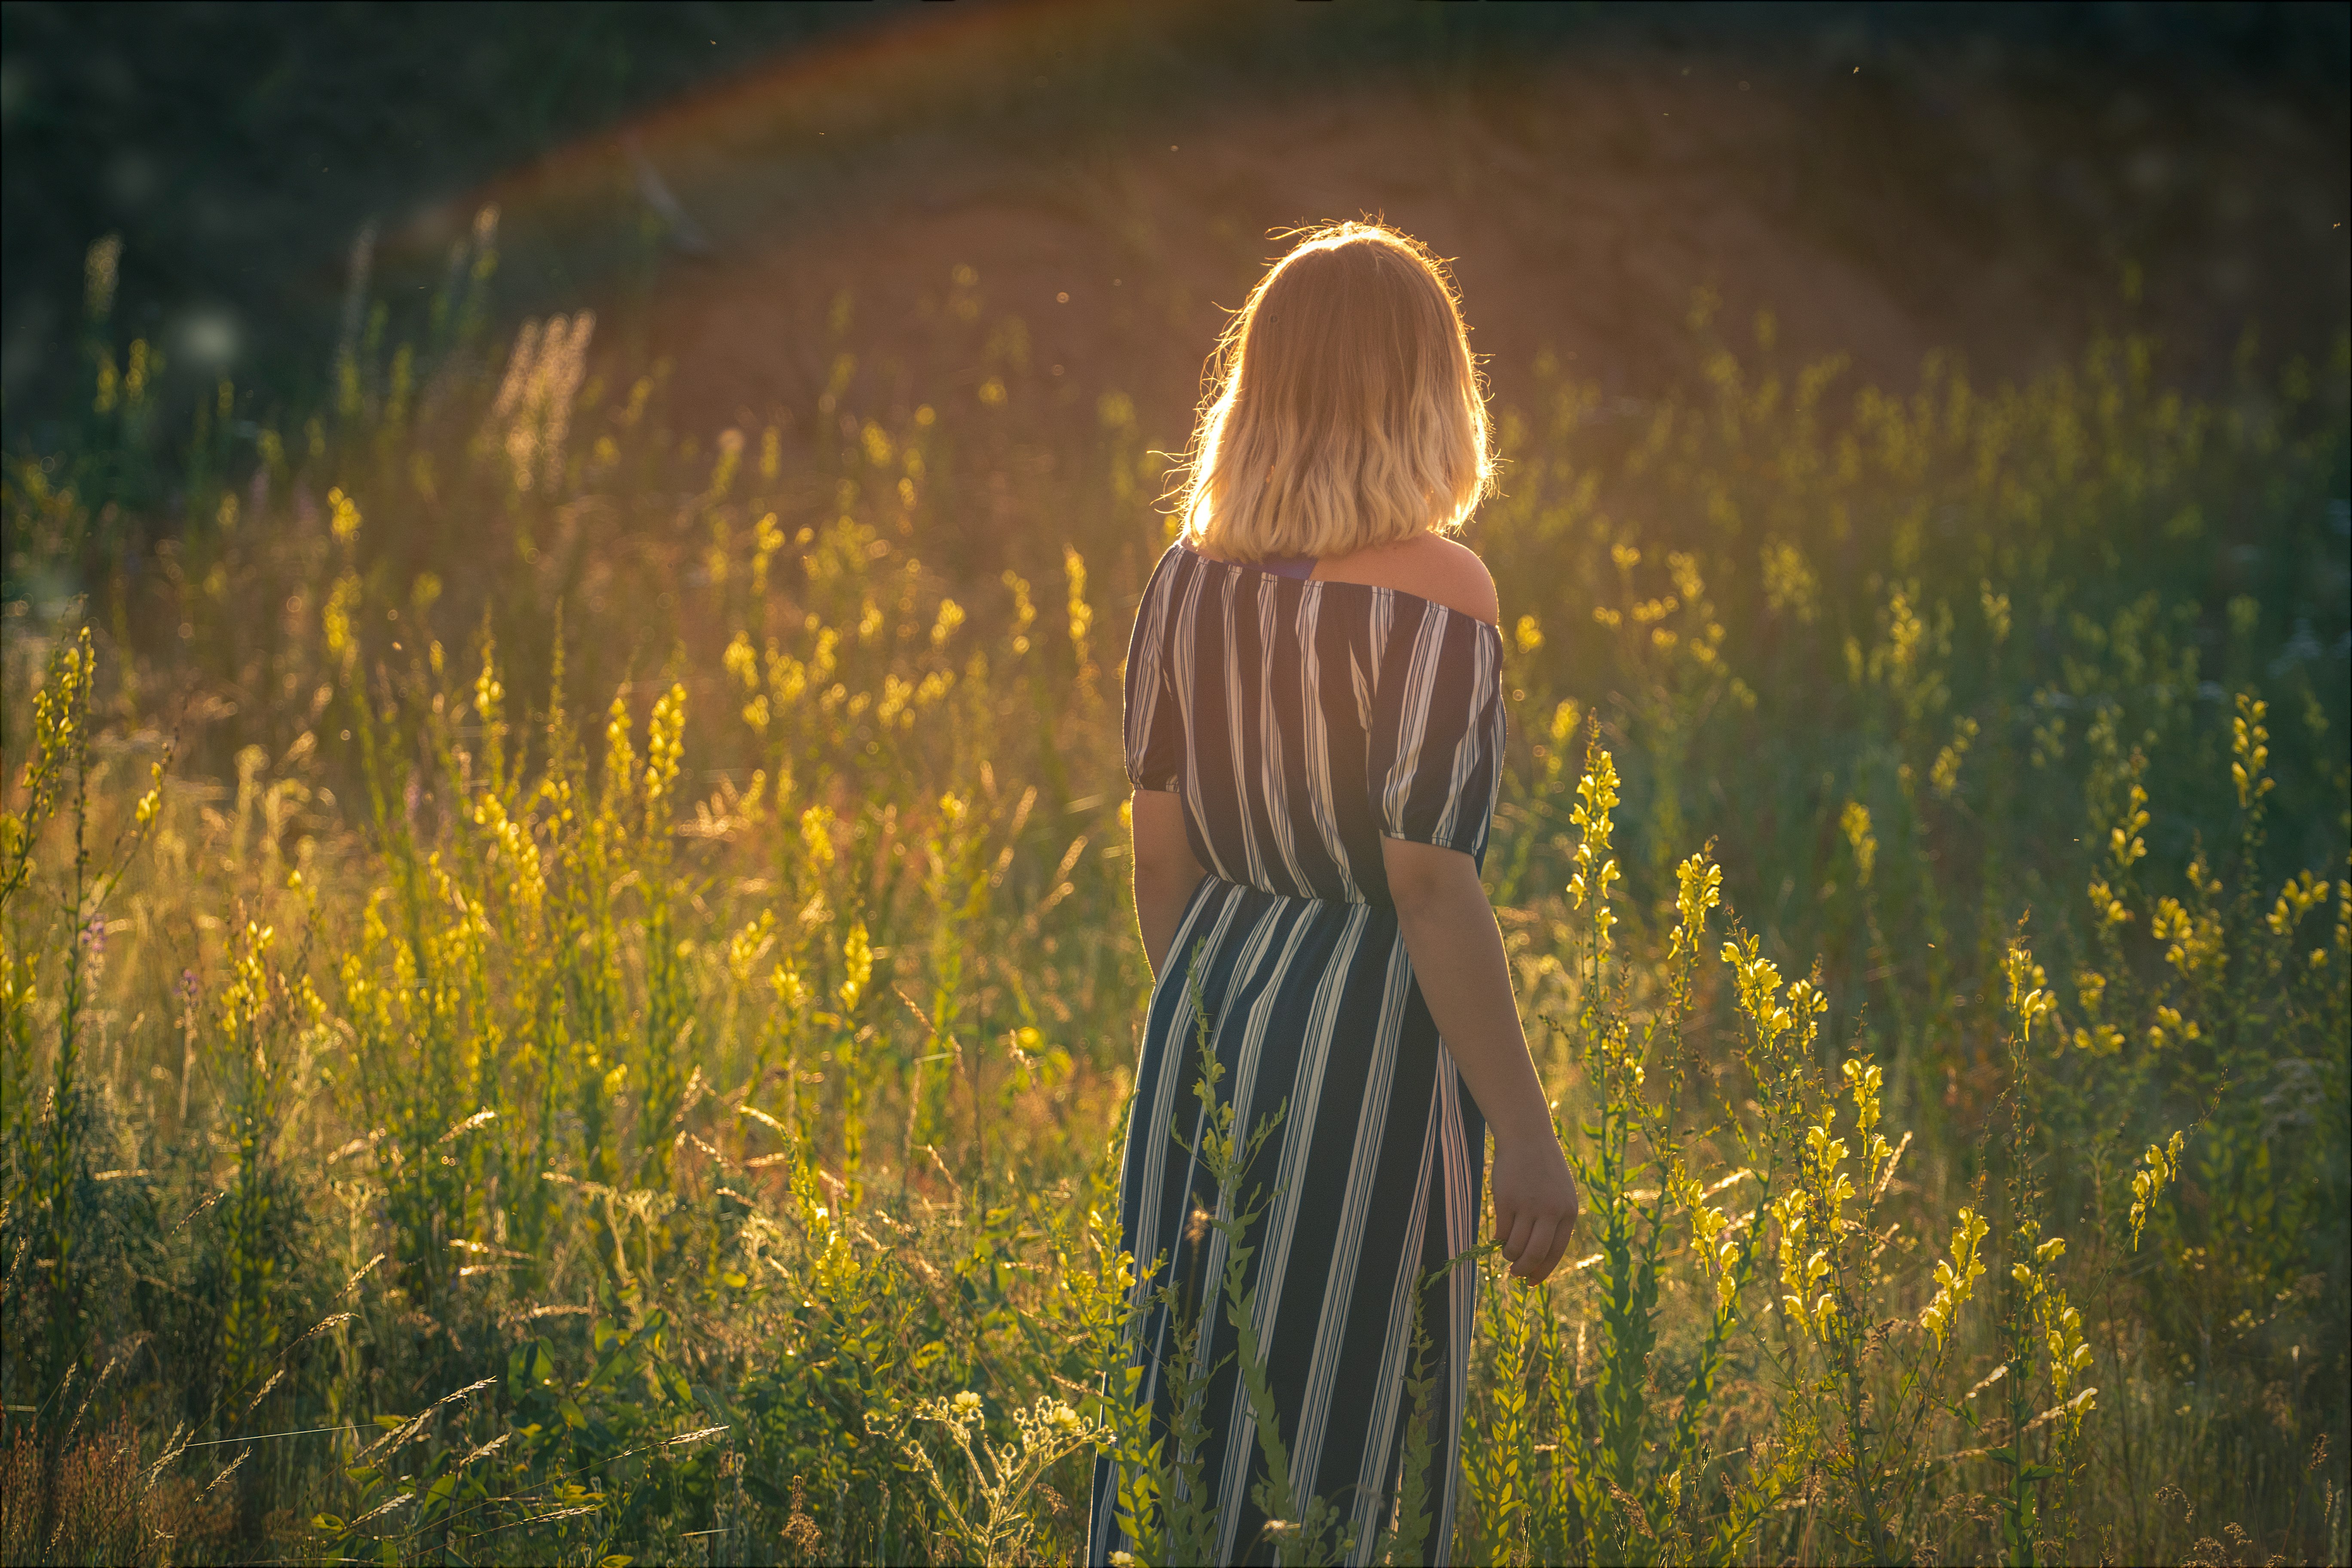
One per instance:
[(1301, 723)]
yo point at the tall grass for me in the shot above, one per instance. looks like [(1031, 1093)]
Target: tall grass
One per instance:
[(610, 1036)]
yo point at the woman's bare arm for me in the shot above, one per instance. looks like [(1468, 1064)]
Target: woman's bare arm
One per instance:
[(1457, 956), (1165, 872)]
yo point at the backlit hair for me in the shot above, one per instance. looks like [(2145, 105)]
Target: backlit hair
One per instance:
[(1344, 408)]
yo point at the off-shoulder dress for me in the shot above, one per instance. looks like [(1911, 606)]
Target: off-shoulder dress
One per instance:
[(1301, 723)]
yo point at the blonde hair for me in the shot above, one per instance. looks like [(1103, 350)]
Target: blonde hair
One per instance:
[(1344, 410)]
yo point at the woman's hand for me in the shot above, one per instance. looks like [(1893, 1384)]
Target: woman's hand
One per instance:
[(1535, 1204)]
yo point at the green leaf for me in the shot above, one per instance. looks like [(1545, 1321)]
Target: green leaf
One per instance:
[(532, 1365)]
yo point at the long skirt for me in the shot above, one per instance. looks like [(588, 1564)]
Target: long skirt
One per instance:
[(1366, 1189)]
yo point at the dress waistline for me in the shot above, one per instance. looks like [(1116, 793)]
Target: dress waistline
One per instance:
[(1227, 882)]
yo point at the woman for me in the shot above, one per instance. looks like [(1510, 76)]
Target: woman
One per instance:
[(1314, 731)]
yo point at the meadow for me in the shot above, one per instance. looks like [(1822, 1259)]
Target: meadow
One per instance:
[(570, 989)]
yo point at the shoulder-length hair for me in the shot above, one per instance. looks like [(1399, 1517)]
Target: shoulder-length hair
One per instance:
[(1344, 409)]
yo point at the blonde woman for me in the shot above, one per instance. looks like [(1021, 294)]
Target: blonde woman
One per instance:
[(1315, 731)]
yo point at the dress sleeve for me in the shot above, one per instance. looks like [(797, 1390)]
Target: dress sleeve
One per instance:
[(1154, 725), (1436, 757)]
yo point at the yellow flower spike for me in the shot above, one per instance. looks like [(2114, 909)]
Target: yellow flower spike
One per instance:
[(2250, 747), (816, 834), (2029, 994), (857, 963), (1596, 795), (2195, 939), (2051, 1250), (346, 523), (620, 757), (1945, 773), (1565, 717), (2125, 844), (336, 619), (2298, 898), (2021, 1274), (743, 663), (665, 744), (1082, 615), (2160, 1166), (1699, 889), (1855, 823)]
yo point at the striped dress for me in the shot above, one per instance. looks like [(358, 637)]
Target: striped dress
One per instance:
[(1301, 723)]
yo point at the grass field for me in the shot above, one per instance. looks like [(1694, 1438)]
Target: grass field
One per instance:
[(570, 989)]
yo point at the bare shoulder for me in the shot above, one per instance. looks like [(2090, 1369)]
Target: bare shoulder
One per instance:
[(1432, 566)]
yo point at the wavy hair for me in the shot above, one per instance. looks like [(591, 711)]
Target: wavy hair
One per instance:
[(1345, 410)]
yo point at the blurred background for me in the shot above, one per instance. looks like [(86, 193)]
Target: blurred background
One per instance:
[(712, 178), (1927, 440)]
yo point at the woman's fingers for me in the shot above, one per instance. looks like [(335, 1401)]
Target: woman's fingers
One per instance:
[(1515, 1245), (1540, 1253), (1562, 1234)]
